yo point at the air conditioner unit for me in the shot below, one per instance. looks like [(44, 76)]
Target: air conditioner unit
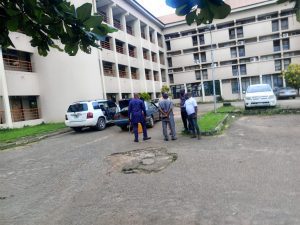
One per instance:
[(268, 17), (241, 42), (285, 34), (253, 59), (170, 71)]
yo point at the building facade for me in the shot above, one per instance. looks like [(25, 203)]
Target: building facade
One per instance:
[(252, 45)]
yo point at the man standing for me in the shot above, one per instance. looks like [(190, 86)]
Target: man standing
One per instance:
[(137, 114), (184, 116), (192, 110), (166, 110)]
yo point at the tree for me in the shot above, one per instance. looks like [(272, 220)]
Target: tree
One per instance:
[(145, 96), (165, 89), (292, 75), (204, 11), (53, 24)]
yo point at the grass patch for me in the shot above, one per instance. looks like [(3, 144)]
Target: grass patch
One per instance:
[(210, 121), (10, 135), (227, 109)]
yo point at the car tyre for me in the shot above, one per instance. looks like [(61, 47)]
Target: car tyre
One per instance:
[(101, 124), (151, 122), (246, 108), (125, 128), (77, 129), (294, 97)]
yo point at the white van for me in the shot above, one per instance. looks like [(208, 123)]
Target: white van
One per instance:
[(94, 113)]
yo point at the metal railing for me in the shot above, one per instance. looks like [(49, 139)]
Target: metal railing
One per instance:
[(103, 14), (25, 114), (120, 49), (16, 64), (118, 25), (134, 76), (129, 30), (122, 74), (132, 53), (106, 45), (109, 72)]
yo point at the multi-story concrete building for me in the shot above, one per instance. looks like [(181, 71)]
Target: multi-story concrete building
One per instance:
[(252, 45)]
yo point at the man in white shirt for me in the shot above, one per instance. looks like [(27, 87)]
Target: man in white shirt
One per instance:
[(192, 110)]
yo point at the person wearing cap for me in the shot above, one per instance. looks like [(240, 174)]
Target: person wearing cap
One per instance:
[(184, 116), (166, 110), (136, 115)]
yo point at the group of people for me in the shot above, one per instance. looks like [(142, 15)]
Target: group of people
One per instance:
[(189, 109)]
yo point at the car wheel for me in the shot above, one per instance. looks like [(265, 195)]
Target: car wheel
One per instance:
[(77, 129), (125, 128), (151, 122), (100, 124), (294, 97), (246, 108)]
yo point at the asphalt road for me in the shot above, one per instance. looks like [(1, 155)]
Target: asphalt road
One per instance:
[(247, 176)]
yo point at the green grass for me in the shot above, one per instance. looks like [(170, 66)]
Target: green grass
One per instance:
[(10, 135), (210, 121), (226, 109)]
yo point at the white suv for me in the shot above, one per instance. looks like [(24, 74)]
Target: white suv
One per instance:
[(94, 113)]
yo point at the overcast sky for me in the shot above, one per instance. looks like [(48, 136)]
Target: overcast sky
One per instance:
[(157, 7)]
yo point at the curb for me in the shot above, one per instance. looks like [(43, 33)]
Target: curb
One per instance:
[(28, 140), (218, 128)]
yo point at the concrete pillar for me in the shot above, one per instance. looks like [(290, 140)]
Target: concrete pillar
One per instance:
[(140, 55), (3, 86)]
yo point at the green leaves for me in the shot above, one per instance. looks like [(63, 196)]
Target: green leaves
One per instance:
[(46, 21), (296, 7), (207, 10), (292, 75)]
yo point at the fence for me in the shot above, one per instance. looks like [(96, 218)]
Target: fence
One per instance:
[(16, 64), (25, 114)]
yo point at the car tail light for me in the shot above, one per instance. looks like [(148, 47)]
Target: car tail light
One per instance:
[(89, 115), (116, 116), (66, 117)]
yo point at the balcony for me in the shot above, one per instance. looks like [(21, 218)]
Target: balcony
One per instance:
[(25, 114), (117, 24), (103, 14), (106, 45), (129, 30), (134, 75), (120, 49), (123, 74), (108, 71), (132, 53), (17, 65), (143, 35)]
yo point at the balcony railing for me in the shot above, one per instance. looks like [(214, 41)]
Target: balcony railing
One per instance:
[(25, 114), (118, 25), (156, 78), (120, 49), (109, 72), (103, 14), (145, 55), (134, 75), (129, 30), (106, 45), (148, 77), (123, 73), (132, 53), (160, 43), (154, 59), (2, 116), (16, 64)]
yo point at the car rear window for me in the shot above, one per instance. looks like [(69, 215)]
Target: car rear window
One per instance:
[(260, 88), (80, 107)]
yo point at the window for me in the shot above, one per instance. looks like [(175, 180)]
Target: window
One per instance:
[(198, 75), (235, 70), (195, 40), (239, 32), (255, 80), (175, 89), (243, 69), (266, 79), (241, 51), (277, 80), (284, 24), (204, 74), (245, 83), (203, 57), (275, 25), (201, 39), (235, 86), (233, 52), (196, 57), (195, 89), (231, 33), (276, 45), (278, 65), (286, 63), (208, 87), (170, 64), (285, 44), (168, 44), (171, 78)]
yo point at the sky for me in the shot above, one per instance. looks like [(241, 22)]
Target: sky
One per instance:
[(157, 7)]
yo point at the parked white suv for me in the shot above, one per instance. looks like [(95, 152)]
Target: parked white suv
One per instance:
[(259, 95), (94, 113)]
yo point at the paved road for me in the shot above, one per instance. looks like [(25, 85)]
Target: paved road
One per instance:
[(247, 176)]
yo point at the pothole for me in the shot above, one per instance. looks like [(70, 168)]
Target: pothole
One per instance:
[(147, 160)]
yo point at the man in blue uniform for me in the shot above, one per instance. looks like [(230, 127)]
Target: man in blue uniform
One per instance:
[(136, 115)]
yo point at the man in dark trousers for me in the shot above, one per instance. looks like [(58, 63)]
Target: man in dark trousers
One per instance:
[(137, 114), (184, 115)]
